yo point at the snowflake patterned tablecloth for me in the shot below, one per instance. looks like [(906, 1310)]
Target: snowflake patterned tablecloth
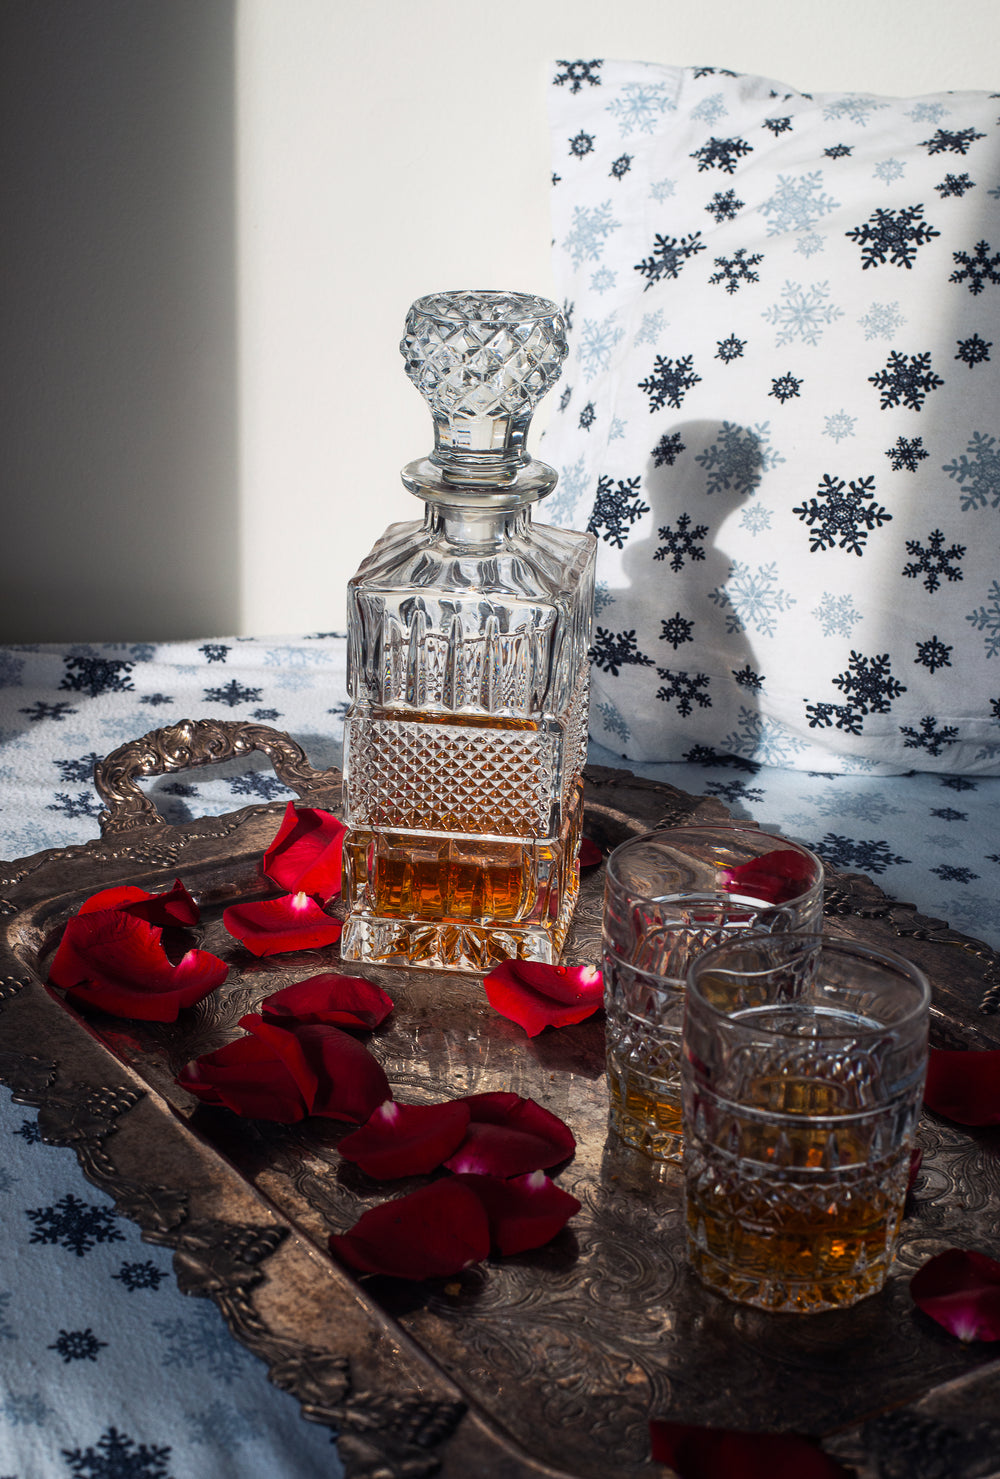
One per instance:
[(109, 1372)]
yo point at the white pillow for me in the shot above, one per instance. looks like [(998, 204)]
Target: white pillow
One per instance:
[(781, 415)]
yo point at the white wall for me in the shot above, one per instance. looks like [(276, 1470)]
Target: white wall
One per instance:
[(233, 470)]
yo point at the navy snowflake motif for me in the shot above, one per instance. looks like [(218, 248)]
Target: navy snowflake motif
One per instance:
[(734, 271), (843, 519), (933, 654), (616, 510), (785, 388), (954, 185), (143, 1275), (41, 710), (234, 693), (676, 630), (729, 349), (668, 257), (868, 855), (78, 770), (721, 154), (669, 382), (974, 351), (978, 269), (577, 73), (870, 688), (587, 416), (906, 379), (118, 1457), (949, 814), (215, 651), (680, 543), (156, 699), (266, 716), (947, 142), (892, 236), (906, 453), (77, 1345), (74, 1225), (581, 144), (949, 873), (565, 397), (705, 755), (668, 449), (733, 791), (613, 651), (685, 690), (724, 205), (928, 738), (839, 151), (778, 125), (620, 167), (746, 678), (83, 804), (934, 561), (29, 1132), (96, 675), (257, 783)]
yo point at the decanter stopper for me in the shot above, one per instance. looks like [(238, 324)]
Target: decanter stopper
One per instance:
[(483, 361)]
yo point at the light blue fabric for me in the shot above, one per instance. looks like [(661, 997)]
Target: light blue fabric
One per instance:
[(108, 1371)]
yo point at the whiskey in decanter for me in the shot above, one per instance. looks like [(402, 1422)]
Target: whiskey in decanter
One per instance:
[(468, 674)]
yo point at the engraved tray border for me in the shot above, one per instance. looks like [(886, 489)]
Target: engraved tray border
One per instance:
[(352, 1361)]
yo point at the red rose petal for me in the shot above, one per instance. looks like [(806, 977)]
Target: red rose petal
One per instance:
[(433, 1232), (111, 960), (293, 922), (719, 1453), (305, 856), (509, 1136), (249, 1077), (351, 1083), (964, 1086), (776, 877), (407, 1139), (960, 1289), (590, 853), (916, 1157), (566, 994), (175, 907), (525, 1212), (345, 1001)]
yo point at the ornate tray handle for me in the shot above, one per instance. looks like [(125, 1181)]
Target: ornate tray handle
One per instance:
[(191, 743)]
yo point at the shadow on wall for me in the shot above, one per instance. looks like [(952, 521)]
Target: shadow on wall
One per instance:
[(118, 416)]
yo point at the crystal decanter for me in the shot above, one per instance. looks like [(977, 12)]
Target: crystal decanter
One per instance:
[(468, 675)]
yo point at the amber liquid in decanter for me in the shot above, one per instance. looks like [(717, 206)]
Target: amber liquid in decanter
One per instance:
[(468, 668)]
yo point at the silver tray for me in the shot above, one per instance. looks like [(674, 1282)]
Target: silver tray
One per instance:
[(549, 1363)]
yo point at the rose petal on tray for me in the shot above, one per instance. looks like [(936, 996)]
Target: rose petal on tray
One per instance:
[(964, 1086), (590, 853), (110, 959), (433, 1232), (407, 1139), (524, 1212), (344, 1001), (274, 926), (305, 856), (260, 1076), (175, 907), (351, 1083), (720, 1453), (510, 1136), (536, 996), (960, 1289), (775, 877)]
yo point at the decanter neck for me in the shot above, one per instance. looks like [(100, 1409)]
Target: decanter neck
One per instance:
[(474, 498), (476, 528)]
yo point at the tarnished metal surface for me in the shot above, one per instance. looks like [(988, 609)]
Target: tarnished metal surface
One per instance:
[(546, 1363)]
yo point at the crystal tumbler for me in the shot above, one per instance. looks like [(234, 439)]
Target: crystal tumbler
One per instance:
[(667, 896), (803, 1069)]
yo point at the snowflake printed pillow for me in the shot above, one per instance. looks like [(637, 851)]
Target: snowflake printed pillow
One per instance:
[(781, 415)]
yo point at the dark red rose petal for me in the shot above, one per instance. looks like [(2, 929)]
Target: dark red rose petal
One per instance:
[(293, 922), (718, 1453), (252, 1079), (111, 960), (305, 856), (175, 907), (536, 996), (964, 1086), (916, 1157), (960, 1289), (590, 853), (351, 1083), (407, 1139), (433, 1232), (344, 1001), (776, 877), (510, 1136), (523, 1213)]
